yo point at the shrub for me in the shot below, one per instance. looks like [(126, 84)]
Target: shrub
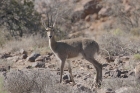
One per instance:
[(30, 81), (137, 56), (112, 44), (1, 86), (37, 81), (19, 17), (116, 43)]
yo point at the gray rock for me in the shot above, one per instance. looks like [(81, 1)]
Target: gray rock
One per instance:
[(40, 65), (109, 91), (32, 57), (24, 56), (5, 55), (4, 68)]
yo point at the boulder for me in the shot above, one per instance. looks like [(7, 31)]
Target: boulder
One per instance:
[(89, 7)]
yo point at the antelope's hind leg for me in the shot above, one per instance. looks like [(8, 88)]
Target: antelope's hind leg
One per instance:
[(70, 71)]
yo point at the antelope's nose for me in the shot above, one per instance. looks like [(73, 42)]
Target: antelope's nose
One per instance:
[(50, 36)]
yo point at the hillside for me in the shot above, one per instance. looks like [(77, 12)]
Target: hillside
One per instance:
[(27, 64)]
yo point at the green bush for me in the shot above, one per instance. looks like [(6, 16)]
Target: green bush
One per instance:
[(137, 56), (19, 17), (1, 86)]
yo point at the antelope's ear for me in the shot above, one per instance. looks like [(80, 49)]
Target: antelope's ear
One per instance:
[(53, 24), (47, 29)]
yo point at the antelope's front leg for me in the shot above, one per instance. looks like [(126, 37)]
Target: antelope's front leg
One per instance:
[(62, 69)]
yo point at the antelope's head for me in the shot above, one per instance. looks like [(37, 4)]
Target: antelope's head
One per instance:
[(49, 28)]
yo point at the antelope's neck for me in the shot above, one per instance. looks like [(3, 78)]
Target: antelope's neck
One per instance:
[(52, 43)]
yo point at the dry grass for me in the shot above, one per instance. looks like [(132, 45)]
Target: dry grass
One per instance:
[(32, 43), (122, 85)]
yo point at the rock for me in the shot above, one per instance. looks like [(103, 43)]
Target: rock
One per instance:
[(105, 11), (75, 1), (132, 73), (90, 7), (105, 65), (125, 58), (29, 67), (110, 59), (32, 57), (84, 89), (5, 55), (52, 66), (88, 18), (13, 59), (109, 91), (4, 68), (117, 60), (115, 73), (66, 77), (40, 58), (24, 56), (39, 65), (89, 66), (22, 51)]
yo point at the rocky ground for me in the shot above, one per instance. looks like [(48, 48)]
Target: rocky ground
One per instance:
[(117, 71)]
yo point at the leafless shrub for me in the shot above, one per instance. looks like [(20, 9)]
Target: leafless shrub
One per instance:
[(37, 81), (33, 81), (121, 86), (113, 44)]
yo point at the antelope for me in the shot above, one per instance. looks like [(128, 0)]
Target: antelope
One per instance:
[(71, 48)]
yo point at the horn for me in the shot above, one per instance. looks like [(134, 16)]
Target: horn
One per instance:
[(55, 19), (43, 23), (48, 19), (51, 23)]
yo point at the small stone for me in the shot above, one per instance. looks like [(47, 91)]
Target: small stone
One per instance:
[(51, 66), (24, 56), (22, 51), (89, 67), (32, 57), (109, 91), (4, 68), (40, 58), (66, 77), (39, 65)]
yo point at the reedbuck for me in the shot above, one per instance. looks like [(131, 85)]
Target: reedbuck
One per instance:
[(71, 48)]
